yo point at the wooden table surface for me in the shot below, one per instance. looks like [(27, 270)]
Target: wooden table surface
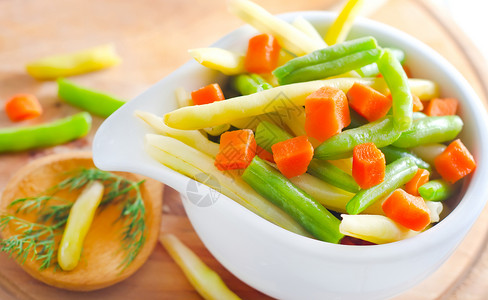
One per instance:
[(152, 37)]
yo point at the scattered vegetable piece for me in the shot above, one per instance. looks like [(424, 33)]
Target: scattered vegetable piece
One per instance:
[(407, 210), (436, 190), (430, 130), (75, 63), (368, 102), (381, 132), (95, 102), (341, 26), (205, 280), (293, 156), (442, 107), (428, 152), (45, 135), (455, 162), (420, 178), (396, 175), (207, 94), (262, 54), (326, 112), (373, 228), (79, 222), (225, 61), (236, 151), (268, 182), (368, 165), (397, 82), (23, 107)]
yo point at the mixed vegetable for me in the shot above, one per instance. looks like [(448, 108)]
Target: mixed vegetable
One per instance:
[(329, 138)]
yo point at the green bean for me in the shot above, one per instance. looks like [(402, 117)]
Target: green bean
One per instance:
[(430, 130), (397, 174), (45, 135), (331, 174), (397, 82), (436, 190), (331, 68), (393, 153), (247, 84), (268, 134), (310, 214), (95, 102), (381, 132), (326, 54), (372, 70)]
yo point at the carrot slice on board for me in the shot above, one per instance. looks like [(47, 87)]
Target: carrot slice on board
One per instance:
[(407, 210), (327, 113), (368, 102), (263, 53), (207, 94), (441, 107), (236, 151), (419, 179), (368, 165), (23, 107), (454, 162), (293, 156)]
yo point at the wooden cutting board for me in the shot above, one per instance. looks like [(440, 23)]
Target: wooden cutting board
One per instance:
[(152, 37)]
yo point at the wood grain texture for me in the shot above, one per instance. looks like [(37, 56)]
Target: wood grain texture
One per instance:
[(152, 37)]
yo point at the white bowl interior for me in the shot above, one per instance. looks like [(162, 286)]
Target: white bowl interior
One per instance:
[(273, 260)]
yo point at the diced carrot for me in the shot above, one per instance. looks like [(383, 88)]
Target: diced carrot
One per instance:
[(23, 107), (368, 102), (327, 113), (417, 104), (236, 151), (293, 156), (407, 71), (419, 179), (207, 94), (263, 53), (407, 210), (455, 162), (263, 154), (441, 107), (368, 165)]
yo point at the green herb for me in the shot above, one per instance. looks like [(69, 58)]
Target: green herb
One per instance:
[(38, 238)]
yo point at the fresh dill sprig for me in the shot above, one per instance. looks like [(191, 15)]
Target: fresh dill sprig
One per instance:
[(38, 238)]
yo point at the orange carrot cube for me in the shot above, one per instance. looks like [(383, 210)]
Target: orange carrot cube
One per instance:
[(407, 210), (368, 165), (327, 113), (236, 151), (293, 156), (207, 94), (368, 102), (262, 55), (455, 162)]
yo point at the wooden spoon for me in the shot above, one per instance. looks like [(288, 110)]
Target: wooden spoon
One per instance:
[(102, 256)]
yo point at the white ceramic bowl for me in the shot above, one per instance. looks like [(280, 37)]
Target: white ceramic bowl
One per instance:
[(277, 262)]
